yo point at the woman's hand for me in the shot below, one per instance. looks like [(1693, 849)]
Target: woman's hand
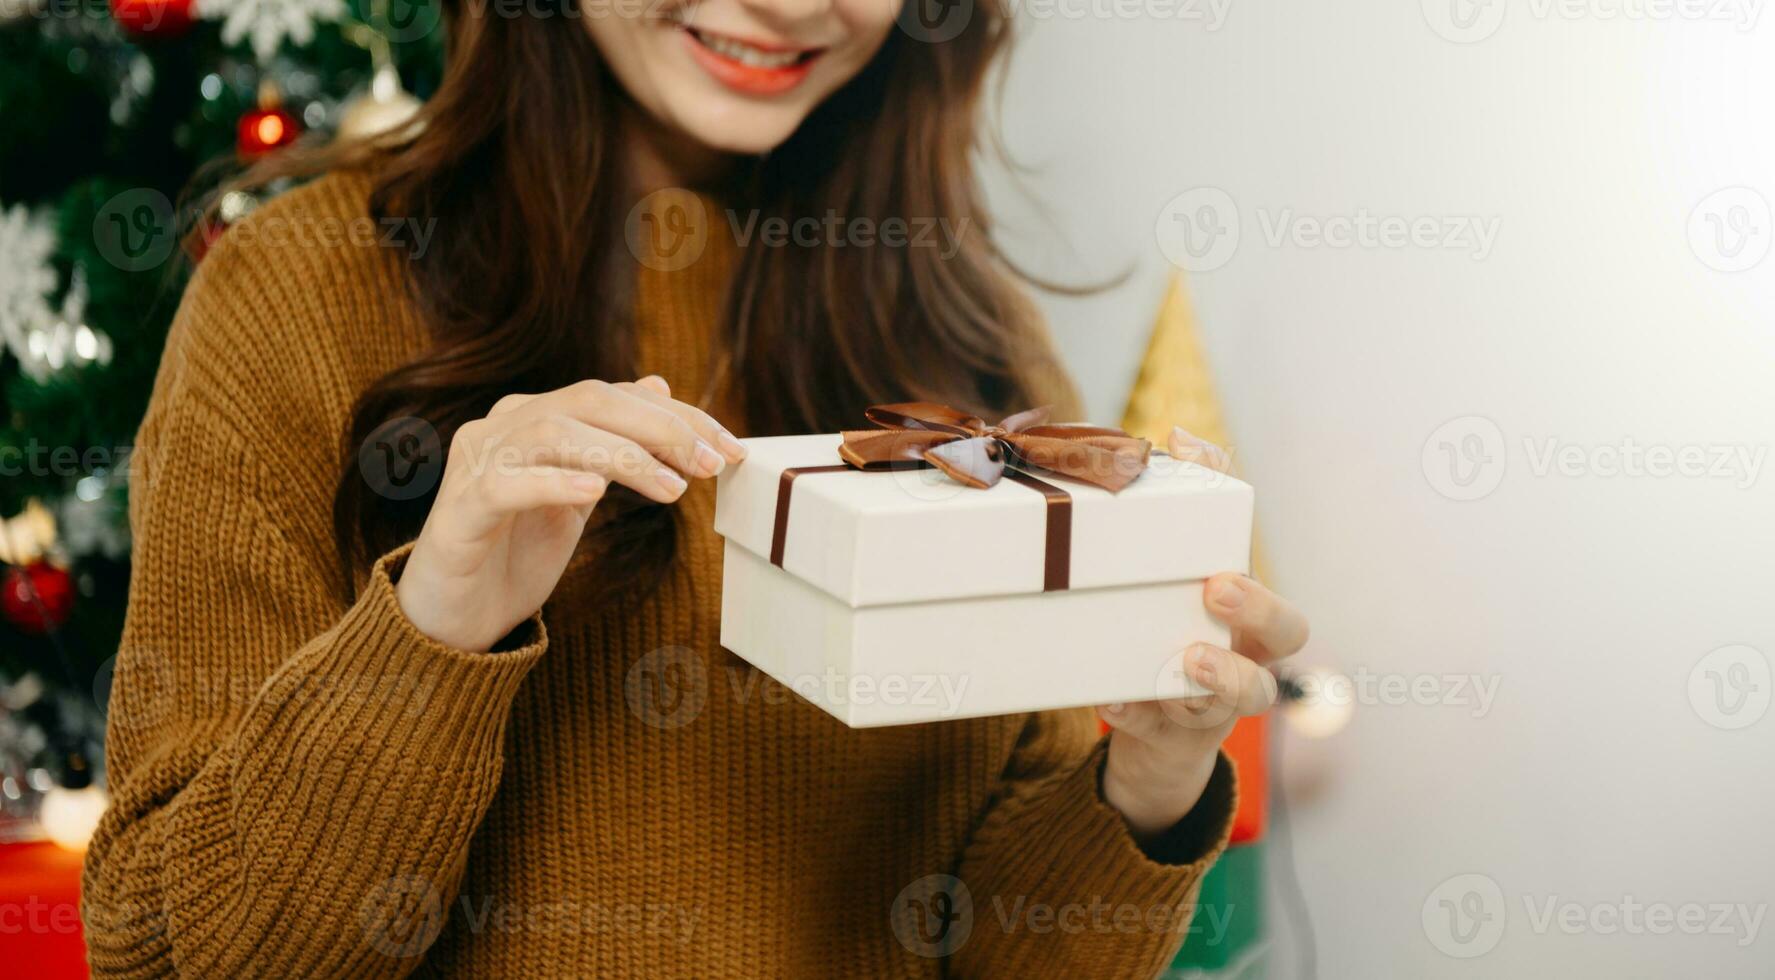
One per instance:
[(1162, 753), (519, 485)]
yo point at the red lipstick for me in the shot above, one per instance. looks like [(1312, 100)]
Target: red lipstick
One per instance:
[(747, 66)]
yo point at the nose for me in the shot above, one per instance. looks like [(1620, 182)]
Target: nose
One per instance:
[(787, 14)]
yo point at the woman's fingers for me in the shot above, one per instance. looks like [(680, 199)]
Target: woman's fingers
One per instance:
[(641, 411), (1182, 445), (1237, 682), (493, 449), (653, 388), (533, 487), (1140, 719), (1265, 625), (1237, 687), (571, 444), (621, 409)]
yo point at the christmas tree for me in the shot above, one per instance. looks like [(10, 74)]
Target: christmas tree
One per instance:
[(119, 120)]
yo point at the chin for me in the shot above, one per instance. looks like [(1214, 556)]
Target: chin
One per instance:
[(750, 130)]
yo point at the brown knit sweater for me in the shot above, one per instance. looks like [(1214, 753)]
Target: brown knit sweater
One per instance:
[(302, 789)]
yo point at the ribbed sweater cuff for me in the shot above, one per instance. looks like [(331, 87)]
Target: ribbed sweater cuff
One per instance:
[(1092, 851), (1112, 908), (449, 703)]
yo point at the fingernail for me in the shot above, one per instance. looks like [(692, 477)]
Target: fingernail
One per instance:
[(1113, 708), (589, 484), (708, 460), (1204, 671), (1229, 593), (733, 447), (670, 480)]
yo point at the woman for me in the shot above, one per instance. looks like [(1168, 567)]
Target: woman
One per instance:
[(344, 739)]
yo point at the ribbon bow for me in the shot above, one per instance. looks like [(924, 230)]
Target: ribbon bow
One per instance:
[(975, 454)]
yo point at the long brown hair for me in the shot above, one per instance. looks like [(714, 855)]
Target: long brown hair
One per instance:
[(516, 158)]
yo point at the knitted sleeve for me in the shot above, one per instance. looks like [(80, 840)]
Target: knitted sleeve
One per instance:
[(1056, 885), (294, 782)]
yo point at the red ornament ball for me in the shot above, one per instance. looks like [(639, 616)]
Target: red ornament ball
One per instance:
[(264, 130), (37, 598), (152, 18)]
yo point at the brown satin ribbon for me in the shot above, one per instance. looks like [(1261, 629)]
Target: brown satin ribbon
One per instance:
[(917, 434), (971, 452), (1057, 547)]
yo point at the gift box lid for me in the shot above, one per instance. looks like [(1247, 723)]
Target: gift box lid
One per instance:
[(914, 535)]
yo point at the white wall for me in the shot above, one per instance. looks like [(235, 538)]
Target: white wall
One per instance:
[(1590, 599)]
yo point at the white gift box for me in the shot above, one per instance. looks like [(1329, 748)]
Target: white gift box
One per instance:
[(903, 596)]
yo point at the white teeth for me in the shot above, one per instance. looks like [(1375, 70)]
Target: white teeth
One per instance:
[(746, 54)]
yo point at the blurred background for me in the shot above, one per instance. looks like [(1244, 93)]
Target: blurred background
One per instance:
[(1477, 292)]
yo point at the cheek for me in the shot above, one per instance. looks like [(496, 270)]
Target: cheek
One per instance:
[(627, 48), (868, 21)]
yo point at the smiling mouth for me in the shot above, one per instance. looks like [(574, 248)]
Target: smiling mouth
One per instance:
[(748, 54), (749, 67)]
